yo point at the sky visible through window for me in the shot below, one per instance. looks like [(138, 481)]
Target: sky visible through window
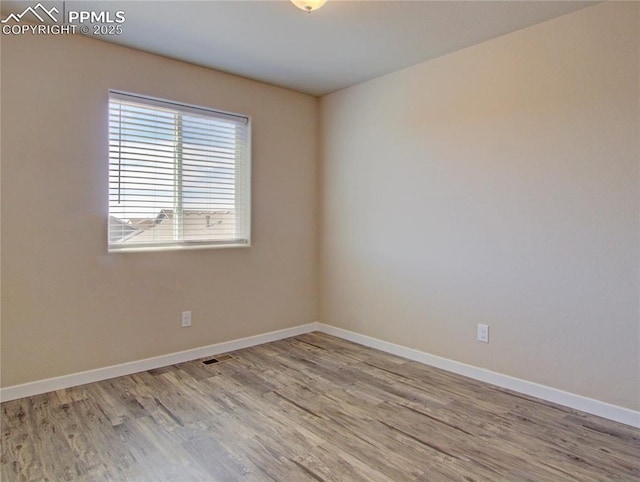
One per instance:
[(159, 156)]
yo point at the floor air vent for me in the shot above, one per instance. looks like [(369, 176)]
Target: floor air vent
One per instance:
[(219, 359)]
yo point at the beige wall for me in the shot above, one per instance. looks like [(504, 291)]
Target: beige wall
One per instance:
[(67, 305), (497, 185)]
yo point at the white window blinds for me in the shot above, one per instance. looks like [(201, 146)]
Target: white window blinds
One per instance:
[(179, 175)]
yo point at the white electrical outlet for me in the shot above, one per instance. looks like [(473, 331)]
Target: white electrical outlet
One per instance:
[(186, 319), (483, 333)]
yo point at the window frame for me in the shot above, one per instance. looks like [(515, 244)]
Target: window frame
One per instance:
[(244, 184)]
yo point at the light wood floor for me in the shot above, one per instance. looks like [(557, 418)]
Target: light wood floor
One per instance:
[(312, 407)]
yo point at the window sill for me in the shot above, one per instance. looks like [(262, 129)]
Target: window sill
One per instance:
[(153, 249)]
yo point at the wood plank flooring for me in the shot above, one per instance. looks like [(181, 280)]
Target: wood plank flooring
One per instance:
[(313, 407)]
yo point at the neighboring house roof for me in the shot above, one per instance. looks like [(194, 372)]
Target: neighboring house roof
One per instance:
[(120, 230), (196, 225)]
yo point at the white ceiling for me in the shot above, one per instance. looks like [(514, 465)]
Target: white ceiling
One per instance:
[(342, 44)]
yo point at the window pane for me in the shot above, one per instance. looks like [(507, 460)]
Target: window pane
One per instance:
[(177, 175)]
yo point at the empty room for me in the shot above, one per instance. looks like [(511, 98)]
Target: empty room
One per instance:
[(291, 240)]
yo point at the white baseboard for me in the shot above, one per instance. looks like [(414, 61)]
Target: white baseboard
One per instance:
[(571, 400), (75, 379)]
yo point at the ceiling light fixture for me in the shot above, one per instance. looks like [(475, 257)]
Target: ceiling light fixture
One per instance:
[(308, 5)]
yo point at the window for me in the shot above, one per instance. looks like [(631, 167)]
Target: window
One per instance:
[(179, 175)]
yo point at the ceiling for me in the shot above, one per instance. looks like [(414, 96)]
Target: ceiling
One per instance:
[(342, 44)]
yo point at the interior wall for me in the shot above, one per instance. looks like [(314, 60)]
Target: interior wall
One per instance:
[(67, 305), (498, 184)]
